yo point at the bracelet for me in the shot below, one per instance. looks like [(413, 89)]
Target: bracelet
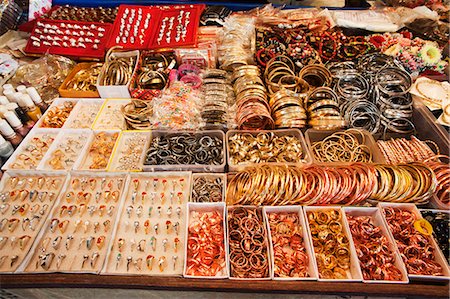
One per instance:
[(441, 170), (402, 150), (137, 114)]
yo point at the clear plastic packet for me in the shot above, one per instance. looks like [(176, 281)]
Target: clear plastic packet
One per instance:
[(237, 42), (178, 108), (45, 74)]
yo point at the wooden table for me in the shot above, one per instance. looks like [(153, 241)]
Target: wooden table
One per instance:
[(415, 289)]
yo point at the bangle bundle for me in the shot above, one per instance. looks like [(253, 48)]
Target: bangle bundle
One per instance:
[(154, 70), (249, 256), (316, 75), (253, 110), (442, 172), (376, 259), (344, 185), (205, 244), (331, 244), (393, 100), (413, 243), (407, 183), (118, 68), (402, 150), (264, 147), (342, 147), (288, 109), (218, 93), (323, 109), (289, 252)]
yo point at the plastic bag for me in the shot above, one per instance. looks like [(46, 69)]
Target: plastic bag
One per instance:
[(45, 74), (178, 108)]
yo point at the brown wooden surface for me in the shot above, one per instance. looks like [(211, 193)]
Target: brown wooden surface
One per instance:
[(429, 290)]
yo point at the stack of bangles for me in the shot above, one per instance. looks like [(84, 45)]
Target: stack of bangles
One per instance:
[(373, 248), (153, 71), (442, 173), (355, 99), (253, 110), (331, 244), (402, 150), (280, 74), (137, 114), (317, 75), (117, 70), (323, 109), (393, 99), (249, 255), (287, 109), (342, 147), (343, 185), (289, 252), (205, 245), (413, 241), (217, 92)]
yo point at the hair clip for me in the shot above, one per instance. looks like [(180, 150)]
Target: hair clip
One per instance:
[(54, 223), (149, 261), (129, 260), (164, 244), (176, 242), (162, 263), (138, 264), (118, 259), (85, 258), (46, 260), (3, 241), (56, 242), (136, 226), (153, 243), (89, 242), (141, 245), (94, 259), (69, 242), (96, 226), (174, 259), (60, 259)]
